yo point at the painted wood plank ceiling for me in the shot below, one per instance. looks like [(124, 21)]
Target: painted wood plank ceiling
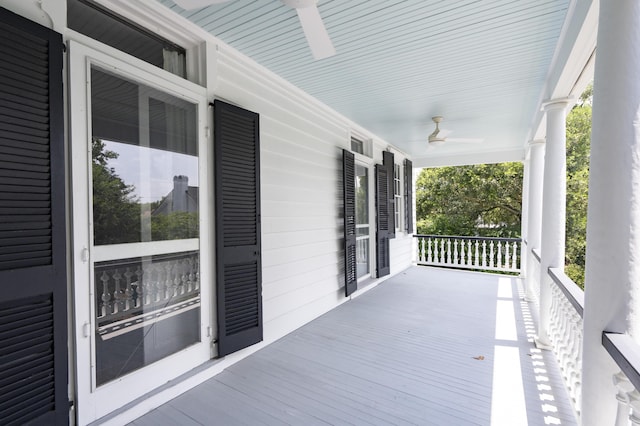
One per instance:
[(481, 64)]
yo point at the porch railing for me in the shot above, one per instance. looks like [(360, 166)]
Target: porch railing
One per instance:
[(483, 253), (626, 353), (565, 332)]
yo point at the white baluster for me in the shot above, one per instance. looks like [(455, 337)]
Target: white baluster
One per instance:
[(197, 272), (484, 253), (623, 387), (442, 251), (106, 297), (128, 291), (117, 294), (139, 289), (634, 402), (491, 263), (448, 251), (507, 259), (429, 252), (499, 265), (514, 262), (477, 262), (456, 260), (470, 257), (463, 257)]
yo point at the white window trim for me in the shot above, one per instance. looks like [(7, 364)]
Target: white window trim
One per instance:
[(398, 196), (95, 402)]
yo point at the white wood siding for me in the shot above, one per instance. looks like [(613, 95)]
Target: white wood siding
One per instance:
[(301, 172)]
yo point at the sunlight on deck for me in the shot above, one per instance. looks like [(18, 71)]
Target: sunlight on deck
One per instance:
[(508, 401)]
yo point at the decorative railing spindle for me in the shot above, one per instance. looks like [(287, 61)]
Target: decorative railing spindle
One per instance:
[(456, 260), (486, 253), (146, 285)]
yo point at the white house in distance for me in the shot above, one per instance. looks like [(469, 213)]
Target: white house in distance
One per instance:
[(302, 154)]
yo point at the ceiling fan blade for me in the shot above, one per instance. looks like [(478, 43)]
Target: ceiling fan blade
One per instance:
[(465, 140), (196, 4), (315, 32)]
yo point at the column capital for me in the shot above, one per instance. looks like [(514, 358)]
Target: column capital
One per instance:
[(557, 103)]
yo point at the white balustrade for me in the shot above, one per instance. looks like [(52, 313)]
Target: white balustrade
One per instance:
[(565, 332), (484, 253), (124, 289)]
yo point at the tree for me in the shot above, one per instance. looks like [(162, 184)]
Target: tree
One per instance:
[(116, 211), (483, 200), (578, 148)]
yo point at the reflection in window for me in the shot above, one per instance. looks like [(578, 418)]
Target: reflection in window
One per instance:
[(146, 309), (144, 163), (144, 167)]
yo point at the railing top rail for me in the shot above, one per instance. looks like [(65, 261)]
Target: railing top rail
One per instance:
[(626, 353), (536, 253), (572, 292), (459, 237)]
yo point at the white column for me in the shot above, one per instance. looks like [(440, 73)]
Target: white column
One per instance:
[(534, 220), (612, 288), (554, 208), (524, 218)]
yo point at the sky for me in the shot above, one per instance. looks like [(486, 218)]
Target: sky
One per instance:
[(158, 166)]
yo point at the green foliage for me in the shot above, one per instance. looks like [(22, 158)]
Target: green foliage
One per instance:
[(480, 200), (116, 211), (174, 226), (578, 147)]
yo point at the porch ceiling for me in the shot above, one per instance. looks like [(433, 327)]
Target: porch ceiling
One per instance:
[(485, 66)]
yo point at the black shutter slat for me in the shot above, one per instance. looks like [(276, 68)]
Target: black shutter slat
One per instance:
[(33, 283), (238, 260), (349, 214), (387, 162), (382, 221), (408, 196)]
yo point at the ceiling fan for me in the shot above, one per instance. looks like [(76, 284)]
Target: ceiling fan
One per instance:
[(438, 137), (310, 19)]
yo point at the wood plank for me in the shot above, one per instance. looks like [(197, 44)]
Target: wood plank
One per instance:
[(403, 353)]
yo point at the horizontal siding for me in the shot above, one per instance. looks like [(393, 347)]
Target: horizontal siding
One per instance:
[(301, 195)]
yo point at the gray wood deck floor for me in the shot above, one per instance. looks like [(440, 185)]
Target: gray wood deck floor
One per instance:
[(426, 347)]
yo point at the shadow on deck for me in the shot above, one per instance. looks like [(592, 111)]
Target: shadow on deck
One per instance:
[(426, 347)]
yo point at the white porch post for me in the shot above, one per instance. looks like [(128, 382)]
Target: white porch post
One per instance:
[(524, 218), (554, 208), (534, 206), (612, 288)]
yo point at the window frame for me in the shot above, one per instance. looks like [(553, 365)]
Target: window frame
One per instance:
[(94, 402), (398, 196)]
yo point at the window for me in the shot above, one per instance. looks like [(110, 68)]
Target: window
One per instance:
[(361, 145), (144, 179), (362, 220), (357, 146), (397, 193), (92, 20)]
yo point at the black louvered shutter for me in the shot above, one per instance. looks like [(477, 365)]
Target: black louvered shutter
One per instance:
[(408, 196), (349, 195), (238, 261), (33, 283), (382, 221), (387, 162)]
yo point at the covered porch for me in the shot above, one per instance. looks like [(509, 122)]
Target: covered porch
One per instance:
[(427, 346)]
